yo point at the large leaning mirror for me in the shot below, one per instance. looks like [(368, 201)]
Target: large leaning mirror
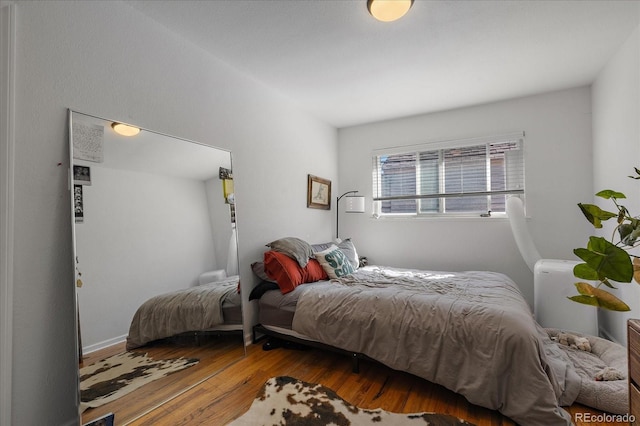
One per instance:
[(156, 266)]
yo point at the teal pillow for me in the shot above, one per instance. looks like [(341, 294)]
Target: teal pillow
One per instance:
[(347, 248), (334, 262)]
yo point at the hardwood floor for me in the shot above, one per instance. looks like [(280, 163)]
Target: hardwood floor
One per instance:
[(214, 353), (228, 394)]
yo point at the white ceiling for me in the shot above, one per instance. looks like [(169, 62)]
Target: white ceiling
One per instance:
[(152, 152), (339, 64)]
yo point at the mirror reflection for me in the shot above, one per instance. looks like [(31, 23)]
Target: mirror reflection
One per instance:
[(156, 266)]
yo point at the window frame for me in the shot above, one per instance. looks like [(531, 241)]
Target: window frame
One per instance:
[(441, 147)]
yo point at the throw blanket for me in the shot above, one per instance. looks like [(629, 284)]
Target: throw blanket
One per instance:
[(192, 309), (471, 332)]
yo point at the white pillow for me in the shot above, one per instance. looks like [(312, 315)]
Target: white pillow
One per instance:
[(212, 277), (334, 262)]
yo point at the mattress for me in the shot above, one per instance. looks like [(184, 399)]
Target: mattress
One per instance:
[(277, 309), (232, 309)]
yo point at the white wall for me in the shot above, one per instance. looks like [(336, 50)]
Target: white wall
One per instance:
[(557, 157), (616, 151), (108, 60), (143, 234)]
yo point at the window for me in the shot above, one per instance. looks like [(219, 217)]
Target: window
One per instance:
[(465, 178)]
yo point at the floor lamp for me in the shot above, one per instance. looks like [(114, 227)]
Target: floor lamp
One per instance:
[(355, 204)]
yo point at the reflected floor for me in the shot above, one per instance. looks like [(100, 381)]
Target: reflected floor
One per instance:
[(215, 351)]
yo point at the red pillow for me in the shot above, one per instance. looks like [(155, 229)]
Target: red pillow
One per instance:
[(287, 272)]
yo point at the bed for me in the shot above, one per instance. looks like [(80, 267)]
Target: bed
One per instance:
[(471, 332), (208, 307)]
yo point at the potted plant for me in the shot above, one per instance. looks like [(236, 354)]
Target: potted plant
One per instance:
[(608, 260)]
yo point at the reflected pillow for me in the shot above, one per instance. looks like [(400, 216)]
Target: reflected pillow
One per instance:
[(296, 248), (334, 262), (288, 274)]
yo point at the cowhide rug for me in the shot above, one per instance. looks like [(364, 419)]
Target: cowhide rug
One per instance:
[(116, 376), (288, 401)]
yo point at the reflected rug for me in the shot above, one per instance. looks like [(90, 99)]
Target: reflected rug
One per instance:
[(289, 401), (116, 376)]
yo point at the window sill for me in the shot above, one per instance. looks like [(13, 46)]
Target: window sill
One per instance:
[(463, 218)]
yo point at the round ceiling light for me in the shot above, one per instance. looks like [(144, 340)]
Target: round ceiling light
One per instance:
[(125, 129), (388, 10)]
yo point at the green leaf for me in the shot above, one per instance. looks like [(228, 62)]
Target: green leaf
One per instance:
[(631, 238), (624, 230), (591, 295), (585, 272), (607, 283), (606, 259), (595, 214), (585, 300), (607, 194)]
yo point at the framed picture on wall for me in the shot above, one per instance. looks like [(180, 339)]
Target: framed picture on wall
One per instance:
[(318, 193), (81, 175)]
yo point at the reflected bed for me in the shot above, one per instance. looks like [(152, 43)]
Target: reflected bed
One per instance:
[(208, 307)]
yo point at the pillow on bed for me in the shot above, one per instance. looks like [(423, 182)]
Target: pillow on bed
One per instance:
[(296, 248), (334, 262), (262, 288), (258, 269), (288, 274), (347, 248)]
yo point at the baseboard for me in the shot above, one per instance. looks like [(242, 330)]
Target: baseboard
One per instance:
[(104, 344)]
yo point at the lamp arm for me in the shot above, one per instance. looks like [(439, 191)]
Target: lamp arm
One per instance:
[(338, 210), (346, 193)]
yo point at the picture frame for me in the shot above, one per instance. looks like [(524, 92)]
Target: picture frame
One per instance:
[(81, 175), (318, 193)]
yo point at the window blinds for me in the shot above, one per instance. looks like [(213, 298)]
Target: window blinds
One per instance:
[(454, 177)]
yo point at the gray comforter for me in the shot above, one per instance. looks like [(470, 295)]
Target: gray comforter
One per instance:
[(192, 309), (471, 332)]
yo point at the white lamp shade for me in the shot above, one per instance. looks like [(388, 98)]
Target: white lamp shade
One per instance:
[(354, 204)]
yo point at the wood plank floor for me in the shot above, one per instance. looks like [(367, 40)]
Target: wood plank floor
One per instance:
[(214, 353), (228, 394)]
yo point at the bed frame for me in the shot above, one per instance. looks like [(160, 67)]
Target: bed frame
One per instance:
[(265, 332)]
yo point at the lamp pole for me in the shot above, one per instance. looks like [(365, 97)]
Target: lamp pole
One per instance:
[(338, 210)]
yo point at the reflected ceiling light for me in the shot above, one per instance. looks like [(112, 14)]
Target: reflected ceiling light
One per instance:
[(125, 129), (388, 10)]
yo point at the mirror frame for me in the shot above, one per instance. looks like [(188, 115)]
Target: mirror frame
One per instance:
[(77, 330)]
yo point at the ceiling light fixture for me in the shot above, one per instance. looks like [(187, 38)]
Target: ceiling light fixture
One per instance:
[(388, 10), (125, 129)]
